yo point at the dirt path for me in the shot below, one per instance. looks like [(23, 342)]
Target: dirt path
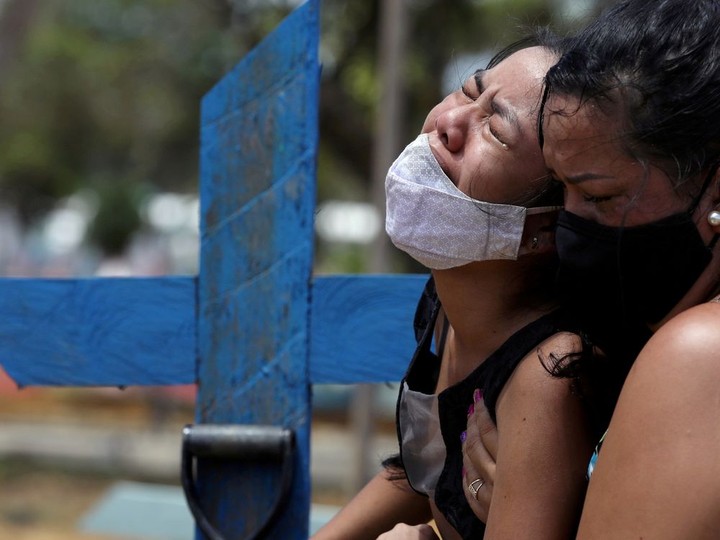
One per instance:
[(44, 504)]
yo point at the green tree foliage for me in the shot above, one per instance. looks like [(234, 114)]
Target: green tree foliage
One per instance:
[(107, 92), (104, 95)]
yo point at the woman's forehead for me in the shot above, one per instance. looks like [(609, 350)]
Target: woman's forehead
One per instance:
[(531, 63), (518, 80), (567, 117)]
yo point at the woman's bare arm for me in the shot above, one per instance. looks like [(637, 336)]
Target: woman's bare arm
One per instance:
[(658, 473), (380, 505), (544, 445)]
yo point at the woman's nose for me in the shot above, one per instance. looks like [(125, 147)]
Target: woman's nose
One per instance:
[(452, 127)]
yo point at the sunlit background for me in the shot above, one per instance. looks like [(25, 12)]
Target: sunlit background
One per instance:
[(99, 108)]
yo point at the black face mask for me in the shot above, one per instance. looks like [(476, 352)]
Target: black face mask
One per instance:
[(619, 279)]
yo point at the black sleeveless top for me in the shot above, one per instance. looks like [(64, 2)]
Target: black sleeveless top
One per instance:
[(453, 402)]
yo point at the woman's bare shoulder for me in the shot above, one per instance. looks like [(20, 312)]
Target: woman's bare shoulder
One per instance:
[(686, 348), (561, 343), (694, 332), (533, 380), (663, 438)]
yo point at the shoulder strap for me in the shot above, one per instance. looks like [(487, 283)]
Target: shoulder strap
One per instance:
[(443, 336), (423, 368)]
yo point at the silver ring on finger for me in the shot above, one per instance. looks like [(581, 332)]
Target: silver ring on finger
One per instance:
[(475, 486)]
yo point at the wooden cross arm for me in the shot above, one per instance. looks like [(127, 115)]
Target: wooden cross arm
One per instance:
[(143, 331), (98, 332)]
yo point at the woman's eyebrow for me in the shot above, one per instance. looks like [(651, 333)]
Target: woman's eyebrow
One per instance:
[(582, 177), (479, 80)]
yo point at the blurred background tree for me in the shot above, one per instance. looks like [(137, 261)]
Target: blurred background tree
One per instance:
[(102, 98)]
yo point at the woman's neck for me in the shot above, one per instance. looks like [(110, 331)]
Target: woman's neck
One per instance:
[(487, 302), (705, 289)]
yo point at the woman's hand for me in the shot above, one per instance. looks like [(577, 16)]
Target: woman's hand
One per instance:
[(401, 531), (479, 455)]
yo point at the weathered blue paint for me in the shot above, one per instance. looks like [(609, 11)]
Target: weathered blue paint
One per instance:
[(259, 137), (100, 332), (362, 327), (142, 331)]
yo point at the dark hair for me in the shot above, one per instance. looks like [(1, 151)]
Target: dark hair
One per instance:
[(394, 468), (657, 64), (551, 193), (597, 377)]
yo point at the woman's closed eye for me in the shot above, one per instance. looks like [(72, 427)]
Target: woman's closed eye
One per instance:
[(596, 199), (587, 197), (496, 135)]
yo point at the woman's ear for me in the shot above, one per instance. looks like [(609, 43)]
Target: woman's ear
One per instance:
[(715, 188), (539, 234)]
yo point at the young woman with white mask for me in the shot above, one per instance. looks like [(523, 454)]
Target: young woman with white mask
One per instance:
[(470, 199)]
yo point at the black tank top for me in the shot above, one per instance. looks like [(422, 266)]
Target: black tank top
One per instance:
[(453, 402)]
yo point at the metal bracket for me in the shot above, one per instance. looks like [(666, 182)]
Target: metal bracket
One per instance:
[(241, 443)]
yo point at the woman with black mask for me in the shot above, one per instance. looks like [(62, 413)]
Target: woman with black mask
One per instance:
[(631, 128)]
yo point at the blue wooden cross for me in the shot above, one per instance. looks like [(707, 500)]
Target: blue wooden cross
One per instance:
[(254, 329)]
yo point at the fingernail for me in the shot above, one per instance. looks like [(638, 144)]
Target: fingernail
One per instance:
[(477, 395), (463, 436), (471, 409)]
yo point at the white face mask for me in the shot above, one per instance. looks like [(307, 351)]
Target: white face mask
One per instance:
[(438, 225)]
